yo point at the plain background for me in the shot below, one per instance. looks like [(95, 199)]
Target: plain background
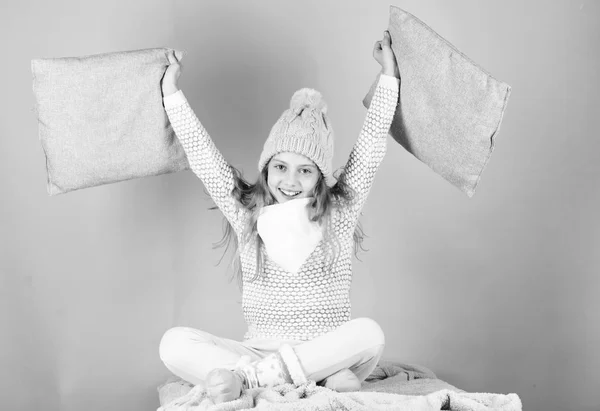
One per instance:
[(498, 293)]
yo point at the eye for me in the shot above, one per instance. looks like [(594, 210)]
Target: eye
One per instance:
[(279, 167), (305, 171)]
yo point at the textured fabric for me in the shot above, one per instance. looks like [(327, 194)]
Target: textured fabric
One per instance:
[(310, 397), (388, 369), (399, 385), (174, 388), (280, 305), (450, 109), (356, 345), (390, 377), (303, 129), (101, 118), (288, 234)]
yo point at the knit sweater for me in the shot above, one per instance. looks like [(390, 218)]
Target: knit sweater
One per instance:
[(280, 305)]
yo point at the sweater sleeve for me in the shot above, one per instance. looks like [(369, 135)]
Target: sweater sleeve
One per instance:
[(371, 145), (205, 160)]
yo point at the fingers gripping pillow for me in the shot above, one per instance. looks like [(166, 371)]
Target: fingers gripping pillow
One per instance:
[(449, 109), (101, 118)]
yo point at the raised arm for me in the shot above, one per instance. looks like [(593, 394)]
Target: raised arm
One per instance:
[(205, 159), (371, 145)]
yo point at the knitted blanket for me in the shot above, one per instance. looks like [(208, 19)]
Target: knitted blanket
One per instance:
[(427, 393), (310, 397)]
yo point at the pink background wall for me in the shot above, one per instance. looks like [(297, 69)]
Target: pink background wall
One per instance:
[(497, 293)]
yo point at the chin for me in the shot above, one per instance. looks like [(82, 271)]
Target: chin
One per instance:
[(282, 198)]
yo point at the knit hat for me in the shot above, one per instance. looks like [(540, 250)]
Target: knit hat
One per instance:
[(303, 129)]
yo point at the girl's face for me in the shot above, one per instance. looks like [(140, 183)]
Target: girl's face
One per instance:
[(291, 176)]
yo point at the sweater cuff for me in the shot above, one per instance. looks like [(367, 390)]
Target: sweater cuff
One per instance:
[(390, 82), (174, 100)]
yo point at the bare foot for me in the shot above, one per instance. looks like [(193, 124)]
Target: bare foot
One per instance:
[(343, 381), (223, 385)]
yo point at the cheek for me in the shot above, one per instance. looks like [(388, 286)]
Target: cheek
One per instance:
[(272, 181), (310, 183)]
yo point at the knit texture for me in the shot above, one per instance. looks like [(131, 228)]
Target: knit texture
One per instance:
[(304, 129), (315, 300)]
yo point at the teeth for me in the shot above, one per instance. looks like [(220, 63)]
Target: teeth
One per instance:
[(290, 193)]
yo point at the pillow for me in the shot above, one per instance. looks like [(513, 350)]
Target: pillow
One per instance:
[(449, 109), (101, 118)]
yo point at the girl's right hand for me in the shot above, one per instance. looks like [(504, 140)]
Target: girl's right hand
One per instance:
[(169, 80)]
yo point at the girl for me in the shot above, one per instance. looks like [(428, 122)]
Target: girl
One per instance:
[(294, 231)]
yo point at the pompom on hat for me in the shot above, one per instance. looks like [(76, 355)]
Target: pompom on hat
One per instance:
[(304, 129)]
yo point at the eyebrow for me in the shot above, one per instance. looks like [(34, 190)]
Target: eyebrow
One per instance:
[(301, 165)]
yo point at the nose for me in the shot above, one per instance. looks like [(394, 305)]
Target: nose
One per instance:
[(290, 179)]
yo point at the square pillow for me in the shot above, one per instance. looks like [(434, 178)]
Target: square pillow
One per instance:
[(450, 109), (101, 118)]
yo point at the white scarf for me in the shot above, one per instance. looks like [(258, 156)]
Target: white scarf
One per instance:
[(289, 236)]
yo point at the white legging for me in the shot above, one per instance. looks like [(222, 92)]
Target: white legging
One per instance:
[(357, 345)]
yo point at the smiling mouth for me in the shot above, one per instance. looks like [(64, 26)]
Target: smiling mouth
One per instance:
[(289, 194)]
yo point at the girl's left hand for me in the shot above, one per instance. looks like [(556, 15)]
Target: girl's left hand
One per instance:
[(383, 53)]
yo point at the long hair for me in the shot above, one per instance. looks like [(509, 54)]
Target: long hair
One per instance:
[(253, 197)]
